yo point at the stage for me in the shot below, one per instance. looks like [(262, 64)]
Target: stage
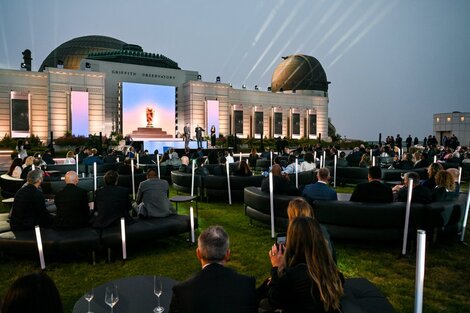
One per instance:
[(164, 144)]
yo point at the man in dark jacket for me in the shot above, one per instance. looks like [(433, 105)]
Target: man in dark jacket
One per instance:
[(216, 288), (72, 204), (373, 191), (29, 206), (111, 202)]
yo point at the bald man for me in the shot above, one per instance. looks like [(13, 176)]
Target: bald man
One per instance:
[(72, 204)]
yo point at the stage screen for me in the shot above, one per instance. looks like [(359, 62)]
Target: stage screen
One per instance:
[(212, 109), (238, 122), (259, 125), (139, 99), (295, 124), (313, 124), (79, 113), (277, 124), (20, 119)]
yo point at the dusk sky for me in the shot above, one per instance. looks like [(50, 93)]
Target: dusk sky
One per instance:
[(392, 64)]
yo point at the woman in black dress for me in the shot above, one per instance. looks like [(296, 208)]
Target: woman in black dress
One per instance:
[(213, 136)]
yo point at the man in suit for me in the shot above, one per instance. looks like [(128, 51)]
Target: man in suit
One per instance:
[(420, 194), (29, 206), (111, 202), (186, 135), (199, 131), (152, 197), (373, 191), (72, 204), (320, 189), (215, 288)]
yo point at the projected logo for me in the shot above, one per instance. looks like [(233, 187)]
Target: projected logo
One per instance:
[(147, 106)]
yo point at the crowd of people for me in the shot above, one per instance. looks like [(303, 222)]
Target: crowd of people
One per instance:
[(303, 277)]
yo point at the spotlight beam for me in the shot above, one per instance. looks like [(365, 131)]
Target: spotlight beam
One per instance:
[(4, 36), (267, 22), (374, 22), (276, 37)]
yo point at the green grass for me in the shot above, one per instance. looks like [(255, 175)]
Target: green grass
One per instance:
[(447, 266)]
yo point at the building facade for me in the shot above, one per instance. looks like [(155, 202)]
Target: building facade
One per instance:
[(455, 123)]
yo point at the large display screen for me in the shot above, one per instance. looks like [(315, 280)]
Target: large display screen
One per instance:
[(79, 112), (20, 117), (148, 106), (212, 110)]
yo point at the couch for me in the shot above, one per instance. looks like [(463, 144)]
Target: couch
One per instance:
[(362, 221)]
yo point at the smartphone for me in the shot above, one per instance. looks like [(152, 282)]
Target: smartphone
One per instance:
[(281, 239)]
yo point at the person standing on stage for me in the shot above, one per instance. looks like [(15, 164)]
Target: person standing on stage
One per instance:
[(213, 137), (199, 131), (186, 135)]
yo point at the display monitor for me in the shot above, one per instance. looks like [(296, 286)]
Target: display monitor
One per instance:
[(147, 106)]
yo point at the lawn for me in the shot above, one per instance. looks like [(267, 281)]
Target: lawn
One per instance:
[(446, 282)]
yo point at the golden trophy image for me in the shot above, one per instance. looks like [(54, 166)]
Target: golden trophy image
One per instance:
[(149, 113)]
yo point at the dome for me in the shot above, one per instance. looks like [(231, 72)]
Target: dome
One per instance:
[(73, 51), (299, 72)]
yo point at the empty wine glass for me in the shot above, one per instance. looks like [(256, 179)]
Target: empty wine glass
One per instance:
[(157, 290), (88, 297), (111, 296)]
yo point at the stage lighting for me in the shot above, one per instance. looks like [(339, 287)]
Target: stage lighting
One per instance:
[(256, 87), (199, 77), (60, 64), (244, 86), (217, 79), (269, 88), (23, 66)]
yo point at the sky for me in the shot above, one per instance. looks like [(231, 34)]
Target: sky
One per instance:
[(392, 64)]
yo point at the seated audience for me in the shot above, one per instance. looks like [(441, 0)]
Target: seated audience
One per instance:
[(111, 202), (445, 187), (365, 161), (374, 191), (406, 163), (304, 276), (29, 205), (220, 169), (432, 171), (420, 193), (126, 167), (72, 204), (252, 158), (320, 190), (145, 158), (152, 197), (92, 158), (455, 174), (281, 183), (423, 161), (15, 168), (69, 158), (309, 163), (27, 166), (47, 157), (216, 288), (184, 167), (243, 169), (229, 157), (173, 159), (342, 162), (291, 167), (200, 169), (35, 292)]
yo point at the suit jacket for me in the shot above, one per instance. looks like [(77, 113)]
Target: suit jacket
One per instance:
[(29, 209), (216, 289), (153, 194), (280, 186), (111, 203), (420, 194), (372, 192), (72, 207), (319, 191)]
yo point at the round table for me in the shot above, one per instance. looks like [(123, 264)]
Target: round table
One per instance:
[(135, 295)]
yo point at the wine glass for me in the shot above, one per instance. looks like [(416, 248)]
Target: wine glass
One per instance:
[(111, 296), (157, 290), (88, 297)]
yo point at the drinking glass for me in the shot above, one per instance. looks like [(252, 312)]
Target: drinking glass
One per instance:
[(157, 290), (111, 296), (88, 297)]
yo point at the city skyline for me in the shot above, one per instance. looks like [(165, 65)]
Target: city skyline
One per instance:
[(392, 64)]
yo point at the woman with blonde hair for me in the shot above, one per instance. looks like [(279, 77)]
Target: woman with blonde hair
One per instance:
[(299, 207), (69, 158), (304, 276)]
